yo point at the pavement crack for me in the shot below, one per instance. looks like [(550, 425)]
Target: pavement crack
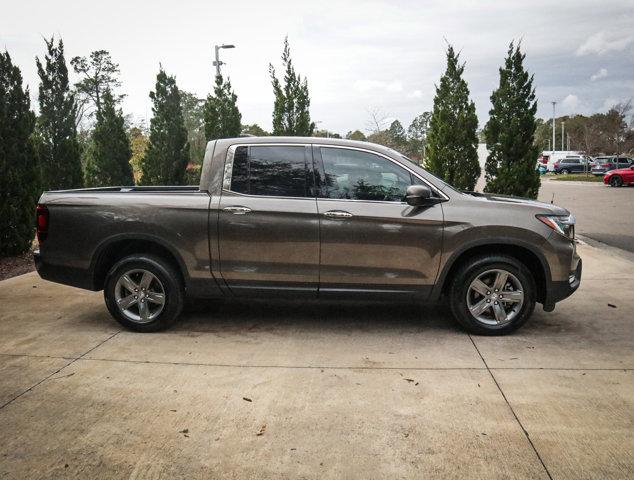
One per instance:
[(539, 457), (10, 401)]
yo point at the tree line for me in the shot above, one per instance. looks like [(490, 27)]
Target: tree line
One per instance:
[(81, 136)]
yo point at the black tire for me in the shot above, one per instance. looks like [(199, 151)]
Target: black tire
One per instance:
[(564, 171), (472, 269), (616, 181), (169, 281)]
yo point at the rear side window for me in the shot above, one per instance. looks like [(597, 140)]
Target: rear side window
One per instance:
[(277, 171)]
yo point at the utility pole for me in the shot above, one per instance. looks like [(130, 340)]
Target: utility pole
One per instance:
[(217, 62), (554, 103), (562, 135)]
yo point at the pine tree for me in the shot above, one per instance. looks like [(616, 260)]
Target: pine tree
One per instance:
[(291, 115), (167, 153), (510, 166), (18, 162), (109, 153), (58, 148), (452, 142), (221, 113)]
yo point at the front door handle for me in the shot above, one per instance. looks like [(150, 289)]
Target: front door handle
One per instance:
[(237, 210), (337, 214)]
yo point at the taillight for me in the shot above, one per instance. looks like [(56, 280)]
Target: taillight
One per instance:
[(606, 165), (41, 215)]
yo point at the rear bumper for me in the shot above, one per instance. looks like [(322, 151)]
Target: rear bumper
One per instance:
[(62, 274), (561, 290)]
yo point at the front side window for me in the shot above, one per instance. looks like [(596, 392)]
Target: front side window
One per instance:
[(278, 171), (357, 175)]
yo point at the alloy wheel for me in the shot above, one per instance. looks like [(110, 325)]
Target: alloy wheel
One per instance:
[(139, 295), (495, 297)]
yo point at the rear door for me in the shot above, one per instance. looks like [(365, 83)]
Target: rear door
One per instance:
[(372, 242), (267, 223)]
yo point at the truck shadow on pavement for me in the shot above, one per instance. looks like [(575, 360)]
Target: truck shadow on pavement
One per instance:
[(234, 316)]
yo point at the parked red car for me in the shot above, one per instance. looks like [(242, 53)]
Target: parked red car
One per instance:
[(620, 177)]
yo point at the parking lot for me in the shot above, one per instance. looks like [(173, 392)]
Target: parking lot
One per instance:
[(316, 391), (603, 213)]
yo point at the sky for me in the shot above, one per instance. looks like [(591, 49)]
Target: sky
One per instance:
[(358, 56)]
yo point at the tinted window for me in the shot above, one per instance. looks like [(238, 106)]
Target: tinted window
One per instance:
[(572, 161), (269, 170), (356, 175)]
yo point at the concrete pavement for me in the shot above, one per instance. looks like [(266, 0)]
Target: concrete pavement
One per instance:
[(294, 391)]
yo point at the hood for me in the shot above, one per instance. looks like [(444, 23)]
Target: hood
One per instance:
[(508, 199)]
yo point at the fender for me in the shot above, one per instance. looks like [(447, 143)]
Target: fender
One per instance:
[(104, 244), (447, 264)]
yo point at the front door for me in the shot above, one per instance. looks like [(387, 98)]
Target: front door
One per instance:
[(267, 222), (372, 242)]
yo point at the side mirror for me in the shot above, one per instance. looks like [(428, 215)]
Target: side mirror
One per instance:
[(632, 167), (419, 195)]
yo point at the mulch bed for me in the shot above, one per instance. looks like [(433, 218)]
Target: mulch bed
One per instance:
[(18, 265)]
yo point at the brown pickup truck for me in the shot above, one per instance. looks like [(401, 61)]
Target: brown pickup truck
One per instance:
[(314, 218)]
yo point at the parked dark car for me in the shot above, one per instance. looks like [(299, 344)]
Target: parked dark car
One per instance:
[(605, 164), (571, 165), (309, 218)]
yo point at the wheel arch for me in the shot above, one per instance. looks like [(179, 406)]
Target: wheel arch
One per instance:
[(527, 255), (115, 248)]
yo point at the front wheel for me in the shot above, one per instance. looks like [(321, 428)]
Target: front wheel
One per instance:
[(492, 295), (144, 293), (616, 181), (565, 171)]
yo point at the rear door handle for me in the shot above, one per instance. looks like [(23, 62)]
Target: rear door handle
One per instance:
[(337, 214), (237, 210)]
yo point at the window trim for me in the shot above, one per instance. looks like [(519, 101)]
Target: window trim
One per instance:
[(226, 180), (228, 171), (398, 164)]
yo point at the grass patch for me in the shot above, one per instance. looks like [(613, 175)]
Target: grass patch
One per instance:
[(577, 177)]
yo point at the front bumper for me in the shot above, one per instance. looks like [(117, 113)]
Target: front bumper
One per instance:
[(561, 290)]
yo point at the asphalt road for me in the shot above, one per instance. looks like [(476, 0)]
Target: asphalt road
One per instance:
[(603, 213)]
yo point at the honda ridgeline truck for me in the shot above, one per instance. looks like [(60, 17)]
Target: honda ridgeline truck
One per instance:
[(313, 218)]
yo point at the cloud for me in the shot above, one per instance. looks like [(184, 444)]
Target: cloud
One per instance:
[(602, 73), (416, 94), (570, 103), (599, 44), (365, 86)]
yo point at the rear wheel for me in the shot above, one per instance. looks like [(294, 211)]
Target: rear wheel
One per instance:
[(144, 293), (492, 295), (616, 181)]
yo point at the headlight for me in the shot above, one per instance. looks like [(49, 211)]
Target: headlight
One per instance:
[(562, 224)]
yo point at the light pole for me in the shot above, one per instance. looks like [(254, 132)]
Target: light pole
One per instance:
[(217, 62), (562, 135), (554, 103)]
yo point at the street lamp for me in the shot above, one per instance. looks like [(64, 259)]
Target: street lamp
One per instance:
[(217, 62)]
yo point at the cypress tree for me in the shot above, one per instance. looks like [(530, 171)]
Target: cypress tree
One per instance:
[(291, 115), (58, 148), (109, 152), (452, 141), (221, 113), (167, 153), (509, 133), (18, 162)]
